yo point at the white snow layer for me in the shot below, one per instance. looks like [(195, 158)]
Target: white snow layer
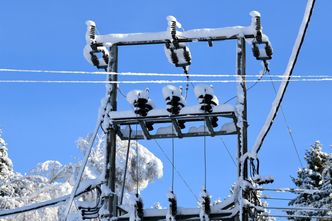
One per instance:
[(171, 90), (51, 179), (283, 85), (110, 39), (203, 89), (133, 95)]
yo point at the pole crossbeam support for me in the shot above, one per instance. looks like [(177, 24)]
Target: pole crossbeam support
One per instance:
[(102, 52), (190, 214), (125, 120)]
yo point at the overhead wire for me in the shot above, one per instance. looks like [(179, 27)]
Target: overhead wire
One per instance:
[(126, 167), (228, 151), (178, 172), (173, 159), (288, 127), (205, 157), (23, 81), (203, 75), (137, 165), (288, 73), (260, 76), (35, 206)]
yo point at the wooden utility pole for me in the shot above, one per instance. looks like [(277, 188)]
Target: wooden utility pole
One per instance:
[(111, 133), (243, 136)]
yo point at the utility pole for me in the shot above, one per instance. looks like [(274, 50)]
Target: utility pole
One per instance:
[(111, 133), (96, 52), (242, 101)]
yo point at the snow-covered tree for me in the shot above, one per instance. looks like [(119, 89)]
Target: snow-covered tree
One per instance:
[(6, 166), (316, 178), (51, 179)]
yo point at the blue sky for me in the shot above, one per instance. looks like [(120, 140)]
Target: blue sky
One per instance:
[(42, 121)]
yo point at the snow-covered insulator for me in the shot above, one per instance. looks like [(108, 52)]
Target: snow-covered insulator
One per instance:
[(138, 209), (262, 50), (142, 103), (172, 208), (205, 206), (177, 53), (174, 101), (256, 22), (94, 53), (91, 31), (207, 100)]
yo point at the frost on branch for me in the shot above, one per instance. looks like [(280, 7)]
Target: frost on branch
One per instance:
[(315, 176), (51, 179)]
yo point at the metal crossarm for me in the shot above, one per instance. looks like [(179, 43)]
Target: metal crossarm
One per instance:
[(192, 214), (127, 119)]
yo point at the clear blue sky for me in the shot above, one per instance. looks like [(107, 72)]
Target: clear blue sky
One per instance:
[(42, 121)]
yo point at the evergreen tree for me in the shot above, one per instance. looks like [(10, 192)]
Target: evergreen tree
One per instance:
[(316, 178)]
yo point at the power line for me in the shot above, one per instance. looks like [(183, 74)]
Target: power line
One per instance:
[(148, 74), (80, 174), (288, 127), (155, 81), (288, 73), (227, 149), (35, 206), (178, 172)]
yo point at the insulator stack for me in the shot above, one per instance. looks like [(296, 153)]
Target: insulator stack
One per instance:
[(207, 100), (142, 103), (174, 101), (172, 208), (139, 212), (177, 53), (205, 206)]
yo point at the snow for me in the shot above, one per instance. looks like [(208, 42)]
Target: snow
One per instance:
[(134, 132), (165, 130), (287, 74), (255, 14), (171, 90), (133, 95), (51, 182), (171, 18), (198, 129), (203, 89), (229, 127), (194, 34)]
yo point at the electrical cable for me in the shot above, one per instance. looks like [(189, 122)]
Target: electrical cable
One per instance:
[(260, 76), (173, 160), (178, 172), (155, 81), (288, 127), (80, 174), (35, 206), (205, 157), (146, 74), (296, 216), (227, 149), (137, 165), (126, 167), (288, 73), (291, 190)]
